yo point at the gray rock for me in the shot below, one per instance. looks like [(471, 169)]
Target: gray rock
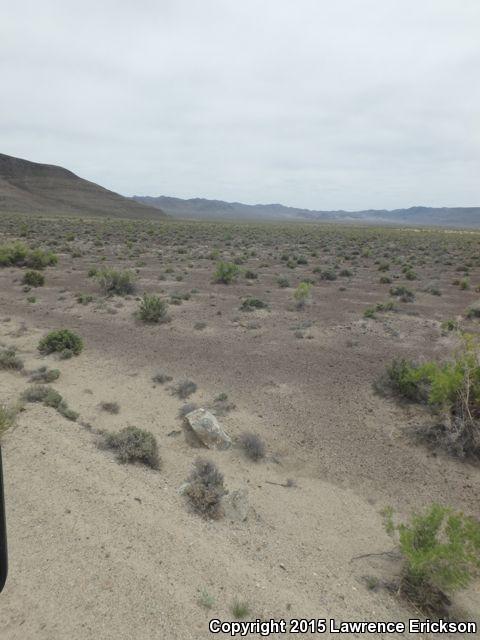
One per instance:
[(207, 429)]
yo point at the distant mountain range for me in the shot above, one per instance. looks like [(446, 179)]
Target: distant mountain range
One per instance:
[(31, 187), (200, 208)]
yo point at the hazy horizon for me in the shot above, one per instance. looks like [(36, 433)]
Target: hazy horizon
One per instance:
[(311, 105)]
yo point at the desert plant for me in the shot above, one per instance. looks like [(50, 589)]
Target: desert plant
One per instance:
[(39, 259), (134, 445), (113, 282), (59, 341), (240, 609), (9, 359), (110, 407), (253, 446), (44, 374), (302, 294), (205, 489), (441, 554), (226, 272), (161, 377), (283, 282), (184, 388), (249, 304), (403, 293), (34, 279), (152, 309)]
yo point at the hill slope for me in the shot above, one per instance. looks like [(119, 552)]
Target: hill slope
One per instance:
[(201, 208), (30, 187)]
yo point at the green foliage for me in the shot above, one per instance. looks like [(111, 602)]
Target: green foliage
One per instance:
[(39, 259), (152, 308), (44, 374), (60, 341), (441, 552), (113, 282), (226, 272), (302, 293), (283, 282), (34, 279), (405, 294), (134, 445), (18, 254), (249, 304)]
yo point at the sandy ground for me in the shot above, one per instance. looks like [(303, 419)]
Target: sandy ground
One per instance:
[(104, 550)]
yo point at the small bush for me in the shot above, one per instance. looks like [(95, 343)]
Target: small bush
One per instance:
[(403, 293), (9, 359), (240, 609), (283, 282), (134, 445), (205, 489), (113, 282), (251, 275), (253, 446), (226, 272), (385, 280), (44, 374), (249, 304), (441, 554), (39, 259), (34, 279), (152, 309), (328, 274), (60, 341), (184, 388), (302, 294), (110, 407)]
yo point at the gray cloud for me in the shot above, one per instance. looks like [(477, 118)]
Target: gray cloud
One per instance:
[(312, 103)]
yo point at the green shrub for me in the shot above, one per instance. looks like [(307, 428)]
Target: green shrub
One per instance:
[(405, 294), (283, 282), (251, 275), (60, 341), (184, 389), (328, 274), (249, 304), (205, 489), (44, 374), (134, 445), (385, 280), (13, 254), (39, 259), (226, 272), (34, 279), (302, 294), (152, 308), (113, 282), (452, 389), (441, 554)]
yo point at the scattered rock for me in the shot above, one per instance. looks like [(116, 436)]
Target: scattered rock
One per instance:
[(208, 430)]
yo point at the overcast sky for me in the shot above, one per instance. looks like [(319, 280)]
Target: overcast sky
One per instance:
[(324, 104)]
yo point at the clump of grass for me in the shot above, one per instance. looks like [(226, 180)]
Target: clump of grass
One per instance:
[(441, 554), (113, 282), (9, 359), (110, 407), (33, 279), (249, 304), (60, 341), (44, 374), (226, 272), (205, 489), (240, 609), (152, 309), (18, 254), (7, 419), (205, 599), (84, 298), (253, 446), (184, 389), (132, 444)]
